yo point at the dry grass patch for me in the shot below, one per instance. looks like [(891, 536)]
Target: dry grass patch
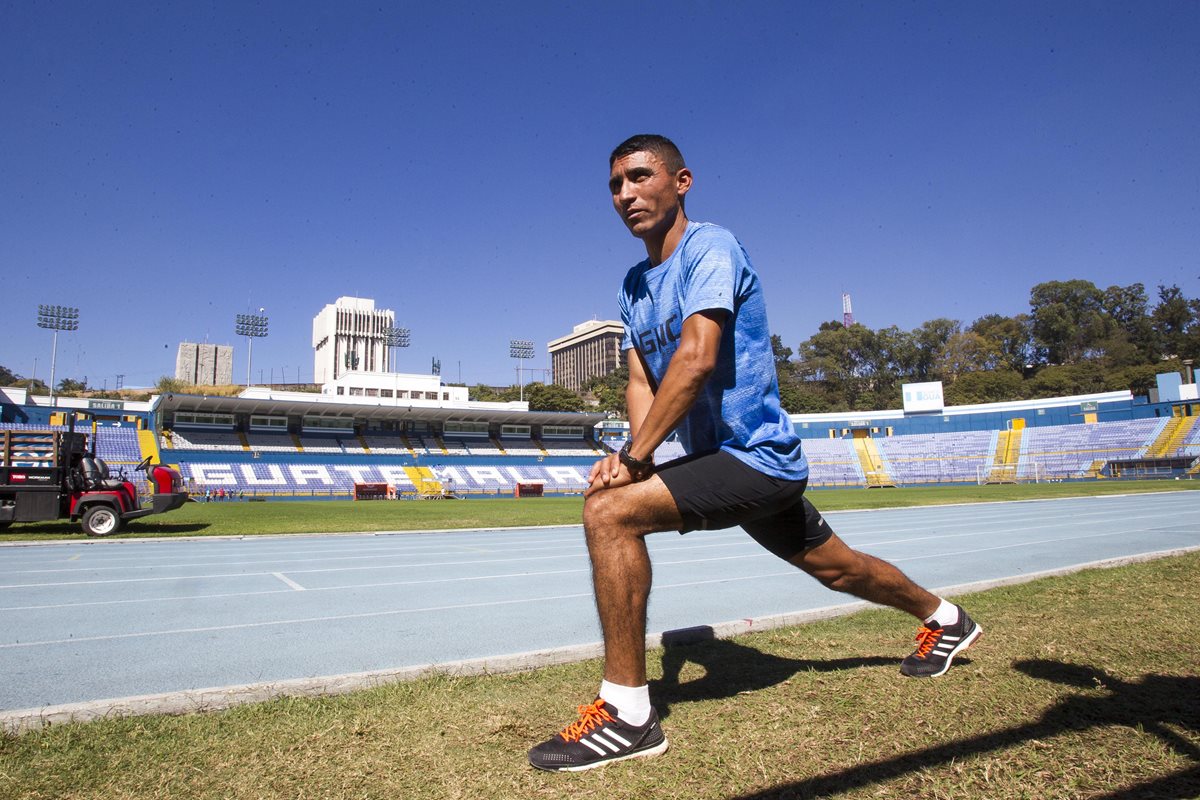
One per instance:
[(1082, 686)]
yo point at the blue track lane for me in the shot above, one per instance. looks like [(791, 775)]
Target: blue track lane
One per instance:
[(97, 620)]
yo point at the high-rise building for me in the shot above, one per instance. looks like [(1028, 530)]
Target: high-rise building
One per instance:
[(591, 350), (204, 364), (350, 336)]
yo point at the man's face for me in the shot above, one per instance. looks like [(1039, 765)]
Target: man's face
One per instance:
[(645, 194)]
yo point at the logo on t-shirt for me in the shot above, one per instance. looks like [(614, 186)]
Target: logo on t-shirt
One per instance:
[(659, 338)]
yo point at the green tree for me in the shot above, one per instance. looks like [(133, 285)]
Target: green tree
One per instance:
[(493, 394), (931, 340), (552, 397), (790, 391), (607, 392), (1069, 320), (1176, 321), (963, 352), (8, 377), (1128, 309), (985, 386), (34, 385), (1064, 380), (71, 387), (167, 384), (898, 354), (1139, 379), (844, 358), (1010, 340)]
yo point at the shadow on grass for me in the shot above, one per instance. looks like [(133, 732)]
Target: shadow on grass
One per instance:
[(1151, 705), (730, 668), (34, 532)]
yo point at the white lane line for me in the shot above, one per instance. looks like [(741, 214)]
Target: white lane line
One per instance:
[(177, 578), (288, 581), (372, 556)]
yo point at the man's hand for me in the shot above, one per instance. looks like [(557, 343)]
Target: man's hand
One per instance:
[(607, 473)]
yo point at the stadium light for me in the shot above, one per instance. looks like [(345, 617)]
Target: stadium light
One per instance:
[(252, 326), (57, 318), (395, 337), (520, 349)]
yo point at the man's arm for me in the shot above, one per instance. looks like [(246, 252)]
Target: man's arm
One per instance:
[(653, 415), (690, 367)]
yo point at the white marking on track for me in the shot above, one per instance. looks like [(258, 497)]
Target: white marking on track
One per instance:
[(288, 581)]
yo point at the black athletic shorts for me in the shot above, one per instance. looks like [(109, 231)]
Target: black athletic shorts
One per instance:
[(715, 490)]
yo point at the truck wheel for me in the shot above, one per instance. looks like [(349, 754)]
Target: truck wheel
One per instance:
[(101, 521)]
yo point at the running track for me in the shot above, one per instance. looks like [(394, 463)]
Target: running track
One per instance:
[(89, 621)]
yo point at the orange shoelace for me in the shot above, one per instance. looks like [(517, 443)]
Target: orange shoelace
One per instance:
[(590, 716), (926, 638)]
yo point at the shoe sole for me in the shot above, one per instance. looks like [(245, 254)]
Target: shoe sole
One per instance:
[(967, 641), (658, 749)]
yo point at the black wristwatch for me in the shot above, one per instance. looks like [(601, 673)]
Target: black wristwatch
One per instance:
[(638, 468)]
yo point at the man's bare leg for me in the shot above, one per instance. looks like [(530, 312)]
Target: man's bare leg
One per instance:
[(843, 569), (622, 724), (947, 629), (616, 522)]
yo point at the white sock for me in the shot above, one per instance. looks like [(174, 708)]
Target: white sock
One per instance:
[(632, 702), (946, 614)]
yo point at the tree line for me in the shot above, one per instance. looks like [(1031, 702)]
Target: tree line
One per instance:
[(1075, 339)]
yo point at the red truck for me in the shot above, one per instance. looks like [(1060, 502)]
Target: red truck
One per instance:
[(54, 474)]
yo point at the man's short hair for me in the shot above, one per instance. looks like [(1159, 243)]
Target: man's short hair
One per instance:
[(660, 146)]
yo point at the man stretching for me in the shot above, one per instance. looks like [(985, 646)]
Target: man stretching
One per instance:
[(701, 364)]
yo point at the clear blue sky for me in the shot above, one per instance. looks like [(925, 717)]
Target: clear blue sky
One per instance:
[(165, 168)]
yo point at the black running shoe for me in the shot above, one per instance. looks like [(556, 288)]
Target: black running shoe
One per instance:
[(937, 646), (597, 738)]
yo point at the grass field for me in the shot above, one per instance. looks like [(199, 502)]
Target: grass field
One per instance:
[(246, 518), (1084, 686)]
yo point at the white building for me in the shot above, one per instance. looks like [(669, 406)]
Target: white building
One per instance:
[(394, 388), (349, 336)]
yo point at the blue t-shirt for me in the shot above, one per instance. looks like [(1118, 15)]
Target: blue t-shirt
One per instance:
[(738, 408)]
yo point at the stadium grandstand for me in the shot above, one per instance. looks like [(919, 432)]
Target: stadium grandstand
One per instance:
[(297, 445)]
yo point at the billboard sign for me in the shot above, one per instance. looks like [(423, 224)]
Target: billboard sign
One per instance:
[(922, 397)]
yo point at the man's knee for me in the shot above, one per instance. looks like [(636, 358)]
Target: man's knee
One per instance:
[(605, 514)]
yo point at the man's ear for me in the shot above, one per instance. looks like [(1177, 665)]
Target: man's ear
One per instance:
[(683, 181)]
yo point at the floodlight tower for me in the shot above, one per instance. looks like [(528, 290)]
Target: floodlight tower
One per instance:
[(395, 337), (252, 326), (847, 312), (520, 349), (57, 318)]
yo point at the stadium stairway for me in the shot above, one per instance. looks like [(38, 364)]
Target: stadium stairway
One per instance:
[(1171, 438), (1004, 464), (362, 440), (425, 481), (872, 463), (296, 441), (245, 442), (499, 446), (148, 444)]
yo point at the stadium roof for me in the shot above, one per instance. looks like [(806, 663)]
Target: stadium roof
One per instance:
[(429, 411)]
